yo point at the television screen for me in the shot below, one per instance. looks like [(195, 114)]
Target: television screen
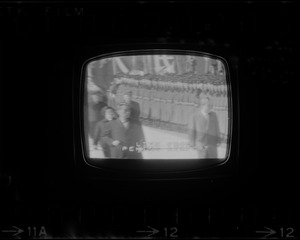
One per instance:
[(156, 105)]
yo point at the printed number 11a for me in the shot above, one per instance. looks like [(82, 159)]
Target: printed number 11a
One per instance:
[(32, 232)]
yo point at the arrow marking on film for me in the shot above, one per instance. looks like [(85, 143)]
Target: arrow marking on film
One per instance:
[(153, 231), (269, 232), (17, 231)]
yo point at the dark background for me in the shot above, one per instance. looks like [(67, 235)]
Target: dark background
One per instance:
[(37, 47)]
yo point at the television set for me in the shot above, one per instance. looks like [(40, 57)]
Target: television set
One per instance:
[(154, 112)]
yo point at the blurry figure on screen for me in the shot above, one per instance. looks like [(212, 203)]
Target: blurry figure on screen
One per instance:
[(102, 129), (125, 135), (134, 106), (95, 105), (112, 92), (203, 129)]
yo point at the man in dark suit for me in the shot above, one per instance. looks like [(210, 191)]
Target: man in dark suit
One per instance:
[(125, 135), (203, 130), (134, 106), (102, 129)]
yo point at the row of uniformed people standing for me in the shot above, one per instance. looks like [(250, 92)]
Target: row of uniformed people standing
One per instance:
[(172, 103)]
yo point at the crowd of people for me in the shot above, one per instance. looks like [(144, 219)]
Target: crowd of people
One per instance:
[(116, 129), (199, 110), (168, 105)]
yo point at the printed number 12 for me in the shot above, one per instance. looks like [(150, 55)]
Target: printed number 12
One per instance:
[(172, 232), (288, 234)]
